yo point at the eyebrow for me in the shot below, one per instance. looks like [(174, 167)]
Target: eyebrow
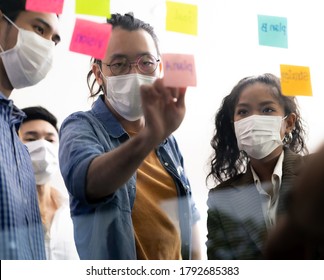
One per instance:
[(56, 38), (118, 55), (35, 133), (263, 103)]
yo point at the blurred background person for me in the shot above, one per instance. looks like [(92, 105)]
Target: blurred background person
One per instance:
[(39, 132), (299, 233)]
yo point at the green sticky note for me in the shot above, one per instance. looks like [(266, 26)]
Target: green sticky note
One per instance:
[(93, 7), (273, 31), (182, 18)]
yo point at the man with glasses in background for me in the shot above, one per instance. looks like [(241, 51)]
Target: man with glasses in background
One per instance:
[(129, 195)]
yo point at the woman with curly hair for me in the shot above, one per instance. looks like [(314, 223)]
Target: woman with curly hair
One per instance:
[(257, 146)]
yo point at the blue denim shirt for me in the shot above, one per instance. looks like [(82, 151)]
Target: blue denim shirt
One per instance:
[(21, 230), (105, 230)]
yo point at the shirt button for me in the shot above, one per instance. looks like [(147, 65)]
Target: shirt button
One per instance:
[(166, 164)]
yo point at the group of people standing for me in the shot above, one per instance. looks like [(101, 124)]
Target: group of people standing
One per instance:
[(129, 195)]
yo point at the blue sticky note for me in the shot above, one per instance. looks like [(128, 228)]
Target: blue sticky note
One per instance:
[(273, 31)]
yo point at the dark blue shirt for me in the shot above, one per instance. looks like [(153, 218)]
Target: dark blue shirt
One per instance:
[(105, 230), (21, 231)]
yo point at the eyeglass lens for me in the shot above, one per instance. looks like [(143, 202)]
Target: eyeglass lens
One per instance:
[(146, 64)]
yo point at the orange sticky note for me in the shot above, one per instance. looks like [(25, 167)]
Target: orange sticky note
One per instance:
[(45, 6), (90, 38), (295, 80), (179, 70)]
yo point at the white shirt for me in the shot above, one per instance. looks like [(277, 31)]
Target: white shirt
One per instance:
[(59, 240), (269, 193)]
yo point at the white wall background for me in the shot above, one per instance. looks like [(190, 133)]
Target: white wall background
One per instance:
[(226, 50)]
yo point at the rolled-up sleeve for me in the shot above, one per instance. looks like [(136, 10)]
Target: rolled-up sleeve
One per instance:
[(79, 145)]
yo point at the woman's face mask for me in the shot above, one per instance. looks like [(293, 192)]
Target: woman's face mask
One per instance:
[(29, 61), (44, 156), (258, 135)]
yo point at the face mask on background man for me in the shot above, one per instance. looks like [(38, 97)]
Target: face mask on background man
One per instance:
[(29, 61), (44, 156)]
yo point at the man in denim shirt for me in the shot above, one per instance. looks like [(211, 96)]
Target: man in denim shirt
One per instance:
[(129, 195), (27, 40)]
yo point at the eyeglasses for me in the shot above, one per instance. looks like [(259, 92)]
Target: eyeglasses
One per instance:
[(146, 64)]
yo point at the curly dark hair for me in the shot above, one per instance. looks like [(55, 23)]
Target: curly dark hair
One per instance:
[(227, 160), (127, 22)]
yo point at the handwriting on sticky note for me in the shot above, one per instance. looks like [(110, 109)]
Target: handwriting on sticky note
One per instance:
[(295, 80), (179, 70), (93, 7), (182, 18), (90, 38), (273, 31), (45, 6)]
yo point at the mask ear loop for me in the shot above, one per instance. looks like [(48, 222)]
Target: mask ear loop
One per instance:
[(11, 22), (102, 86)]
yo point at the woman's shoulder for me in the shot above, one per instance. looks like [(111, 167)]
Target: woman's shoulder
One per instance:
[(236, 180)]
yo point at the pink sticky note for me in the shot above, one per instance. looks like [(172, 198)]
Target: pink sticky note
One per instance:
[(179, 70), (45, 6), (90, 38)]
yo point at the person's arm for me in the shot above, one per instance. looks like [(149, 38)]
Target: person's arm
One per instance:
[(164, 110), (196, 245)]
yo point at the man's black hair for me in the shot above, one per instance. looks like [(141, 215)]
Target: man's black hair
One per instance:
[(12, 8), (39, 113)]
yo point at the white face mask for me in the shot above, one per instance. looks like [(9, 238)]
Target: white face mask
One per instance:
[(29, 61), (44, 156), (258, 135), (123, 93)]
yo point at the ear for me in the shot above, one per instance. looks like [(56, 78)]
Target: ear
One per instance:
[(98, 73), (290, 122)]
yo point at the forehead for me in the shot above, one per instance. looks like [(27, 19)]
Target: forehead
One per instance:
[(28, 17), (39, 126), (257, 93), (130, 43)]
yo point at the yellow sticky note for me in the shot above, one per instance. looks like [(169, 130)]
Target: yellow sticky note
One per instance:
[(93, 7), (182, 18), (295, 80)]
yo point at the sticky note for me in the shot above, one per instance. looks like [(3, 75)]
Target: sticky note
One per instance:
[(179, 70), (295, 80), (44, 6), (273, 31), (93, 7), (182, 18), (90, 38)]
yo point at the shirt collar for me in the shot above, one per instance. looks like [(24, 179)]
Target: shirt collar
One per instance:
[(108, 120), (13, 116), (277, 172)]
